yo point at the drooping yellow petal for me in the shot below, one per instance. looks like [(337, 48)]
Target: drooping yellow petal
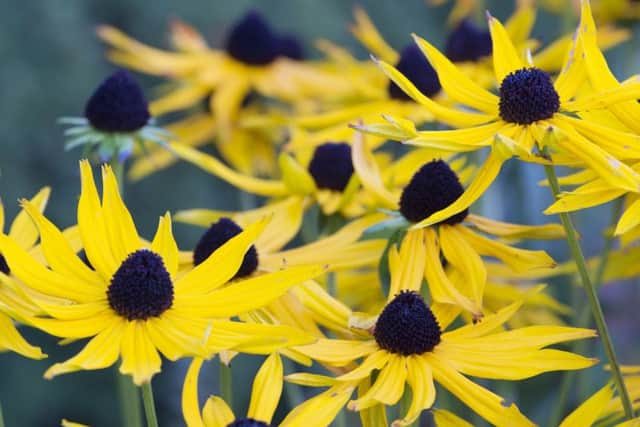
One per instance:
[(121, 231), (483, 179), (420, 378), (93, 230), (216, 413), (505, 57), (165, 245), (220, 266), (365, 166), (263, 187), (388, 387), (464, 258), (409, 271), (518, 259), (22, 229), (10, 339), (442, 290), (516, 231), (457, 118), (374, 361), (368, 35), (487, 404), (175, 340), (457, 84), (101, 352), (190, 403), (140, 359), (266, 390), (320, 410), (375, 415)]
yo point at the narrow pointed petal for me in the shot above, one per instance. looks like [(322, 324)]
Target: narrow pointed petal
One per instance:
[(587, 413), (22, 229), (366, 168), (420, 378), (505, 57), (216, 413), (165, 245), (140, 359), (266, 391), (190, 403), (388, 387)]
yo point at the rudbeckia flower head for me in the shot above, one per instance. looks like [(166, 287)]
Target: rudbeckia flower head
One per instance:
[(118, 105), (217, 235), (331, 166), (467, 42), (252, 41), (433, 187), (527, 95)]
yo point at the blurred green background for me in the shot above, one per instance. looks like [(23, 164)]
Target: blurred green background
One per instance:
[(52, 61)]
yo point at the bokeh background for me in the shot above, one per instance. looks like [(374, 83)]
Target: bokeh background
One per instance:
[(51, 62)]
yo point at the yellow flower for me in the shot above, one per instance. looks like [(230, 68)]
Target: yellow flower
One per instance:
[(13, 299), (265, 396), (433, 196), (133, 302), (531, 111), (409, 345)]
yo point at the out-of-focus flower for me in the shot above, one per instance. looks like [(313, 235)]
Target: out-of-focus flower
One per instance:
[(132, 300)]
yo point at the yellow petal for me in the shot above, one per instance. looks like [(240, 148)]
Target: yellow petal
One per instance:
[(178, 99), (488, 405), (589, 411), (76, 328), (233, 300), (216, 413), (517, 231), (295, 176), (10, 339), (220, 266), (459, 139), (190, 404), (140, 358), (464, 258), (320, 410), (121, 231), (266, 390), (165, 245), (485, 325), (456, 118), (457, 84), (22, 229), (420, 378), (368, 35), (629, 219), (254, 338), (366, 168), (337, 352), (410, 270), (91, 223), (388, 387), (60, 256), (505, 57), (374, 361), (263, 187), (173, 339), (101, 352), (444, 418)]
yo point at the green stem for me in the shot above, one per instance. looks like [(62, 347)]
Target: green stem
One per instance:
[(592, 296), (129, 401), (149, 405), (1, 417), (226, 384)]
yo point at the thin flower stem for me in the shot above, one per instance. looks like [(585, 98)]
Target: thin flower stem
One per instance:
[(149, 405), (129, 401), (1, 417), (226, 384), (592, 296), (584, 314)]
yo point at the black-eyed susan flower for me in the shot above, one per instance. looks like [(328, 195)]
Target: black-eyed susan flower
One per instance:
[(13, 299), (531, 110), (408, 345), (116, 119), (265, 397), (433, 192), (133, 303)]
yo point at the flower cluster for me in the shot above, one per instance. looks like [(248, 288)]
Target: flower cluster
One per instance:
[(364, 259)]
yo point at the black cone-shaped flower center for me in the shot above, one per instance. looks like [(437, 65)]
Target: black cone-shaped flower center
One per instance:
[(331, 166), (528, 95), (141, 288), (117, 105), (248, 422), (433, 187), (252, 41), (407, 326), (4, 267), (468, 43), (414, 65), (217, 235)]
